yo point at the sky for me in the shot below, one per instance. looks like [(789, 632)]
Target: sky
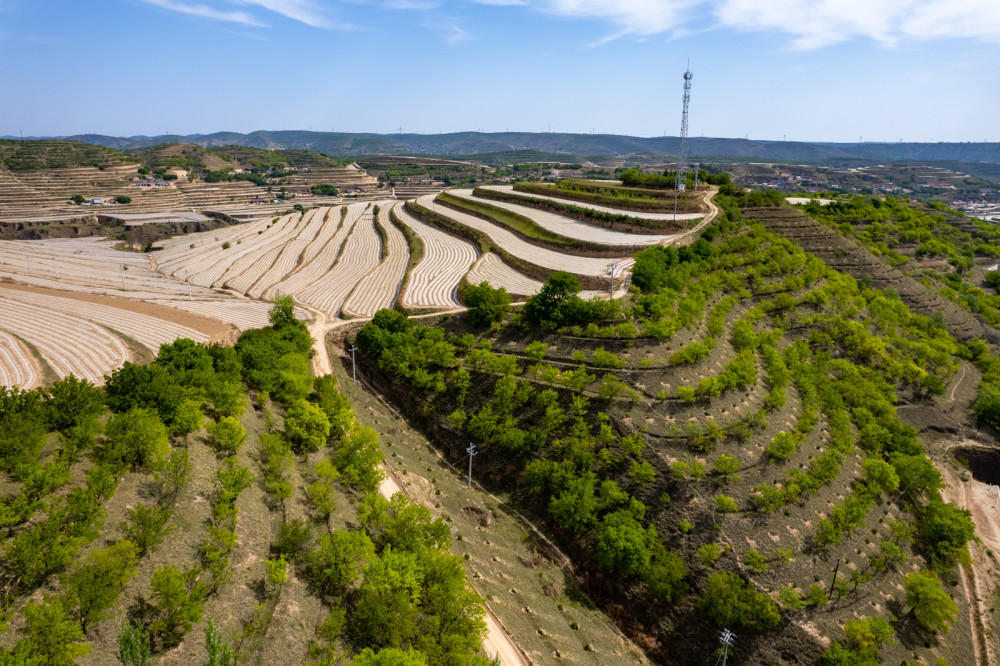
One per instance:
[(805, 70)]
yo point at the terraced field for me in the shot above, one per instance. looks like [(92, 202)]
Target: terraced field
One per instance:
[(434, 281), (664, 217), (724, 449), (380, 288)]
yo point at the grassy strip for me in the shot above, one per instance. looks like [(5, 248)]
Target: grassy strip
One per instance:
[(416, 249), (616, 222), (625, 202), (530, 231), (383, 235), (486, 244), (519, 224)]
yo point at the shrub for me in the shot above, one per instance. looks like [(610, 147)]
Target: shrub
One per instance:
[(725, 504), (732, 602)]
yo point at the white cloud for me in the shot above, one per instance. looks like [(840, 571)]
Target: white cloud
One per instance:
[(810, 23), (206, 12), (305, 11)]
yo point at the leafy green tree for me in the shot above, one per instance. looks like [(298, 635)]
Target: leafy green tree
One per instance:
[(623, 544), (71, 401), (93, 586), (220, 652), (709, 554), (136, 439), (387, 608), (339, 559), (575, 507), (123, 199), (728, 466), (22, 428), (307, 426), (151, 387), (146, 526), (544, 307), (725, 504), (53, 637), (322, 492), (359, 459), (929, 603), (228, 397), (642, 473), (282, 312), (401, 524), (486, 304), (133, 645), (227, 434), (943, 531), (177, 603), (732, 602), (667, 576), (188, 417)]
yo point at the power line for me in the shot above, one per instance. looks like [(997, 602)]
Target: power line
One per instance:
[(472, 453)]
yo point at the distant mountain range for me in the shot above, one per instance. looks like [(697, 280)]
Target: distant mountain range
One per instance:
[(573, 146)]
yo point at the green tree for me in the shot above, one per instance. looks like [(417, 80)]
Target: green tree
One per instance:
[(220, 652), (53, 637), (71, 401), (486, 304), (188, 418), (133, 645), (929, 603), (228, 397), (623, 544), (146, 526), (136, 439), (123, 199), (339, 559), (322, 492), (93, 585), (387, 611), (545, 306), (733, 602), (401, 524), (575, 507), (227, 434), (359, 459), (307, 426), (177, 603), (282, 312), (943, 531)]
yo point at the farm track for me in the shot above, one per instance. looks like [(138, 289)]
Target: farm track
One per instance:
[(568, 227), (380, 288), (434, 281), (549, 259)]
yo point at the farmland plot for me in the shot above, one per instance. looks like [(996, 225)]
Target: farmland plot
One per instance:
[(291, 255), (87, 265), (69, 344), (491, 268), (434, 281), (323, 259), (241, 314), (522, 249), (17, 367), (360, 256), (668, 217), (230, 263), (148, 331), (380, 288), (568, 227), (194, 252)]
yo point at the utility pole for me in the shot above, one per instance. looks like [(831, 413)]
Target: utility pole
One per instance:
[(29, 262), (121, 273), (56, 267), (186, 279), (354, 365), (472, 453), (833, 582), (726, 638), (611, 273)]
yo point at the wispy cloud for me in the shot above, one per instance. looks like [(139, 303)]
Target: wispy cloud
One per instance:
[(456, 34), (811, 24), (310, 12), (205, 11)]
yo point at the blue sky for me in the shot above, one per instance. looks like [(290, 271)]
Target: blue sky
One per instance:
[(823, 70)]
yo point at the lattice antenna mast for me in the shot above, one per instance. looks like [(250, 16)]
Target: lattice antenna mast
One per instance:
[(682, 154)]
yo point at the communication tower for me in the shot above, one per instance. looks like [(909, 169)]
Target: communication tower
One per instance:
[(682, 153)]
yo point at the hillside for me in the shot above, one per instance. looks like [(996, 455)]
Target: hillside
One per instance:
[(57, 154), (725, 448), (472, 143)]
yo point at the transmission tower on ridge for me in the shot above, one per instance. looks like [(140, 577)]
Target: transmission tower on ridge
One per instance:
[(682, 152)]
